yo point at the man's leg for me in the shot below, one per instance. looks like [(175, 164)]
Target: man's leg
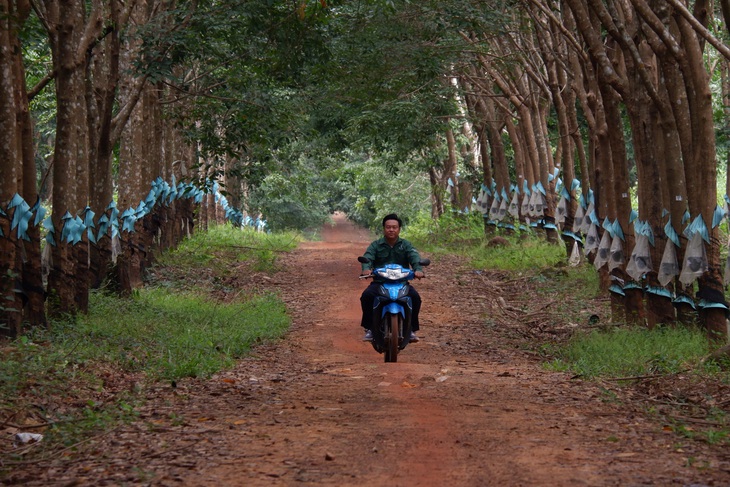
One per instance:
[(366, 303), (416, 302)]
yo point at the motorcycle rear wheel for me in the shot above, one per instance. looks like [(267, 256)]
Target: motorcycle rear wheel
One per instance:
[(391, 338)]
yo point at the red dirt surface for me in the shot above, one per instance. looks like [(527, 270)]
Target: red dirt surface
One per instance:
[(464, 407)]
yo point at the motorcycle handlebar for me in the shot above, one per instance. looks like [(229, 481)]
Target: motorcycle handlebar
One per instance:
[(370, 276)]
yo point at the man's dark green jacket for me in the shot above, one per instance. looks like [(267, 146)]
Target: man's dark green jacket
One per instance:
[(403, 253)]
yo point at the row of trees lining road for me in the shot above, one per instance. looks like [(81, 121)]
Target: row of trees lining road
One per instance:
[(601, 90), (289, 105), (123, 95), (589, 104)]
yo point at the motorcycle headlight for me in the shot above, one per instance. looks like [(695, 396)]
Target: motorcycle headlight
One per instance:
[(393, 274)]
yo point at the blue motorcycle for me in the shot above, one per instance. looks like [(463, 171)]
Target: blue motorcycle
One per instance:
[(392, 308)]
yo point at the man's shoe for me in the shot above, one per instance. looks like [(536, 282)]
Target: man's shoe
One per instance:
[(413, 338), (368, 336)]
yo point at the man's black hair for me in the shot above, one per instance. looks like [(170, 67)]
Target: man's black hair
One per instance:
[(392, 216)]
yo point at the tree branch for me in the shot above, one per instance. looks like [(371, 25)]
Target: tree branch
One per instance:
[(701, 29)]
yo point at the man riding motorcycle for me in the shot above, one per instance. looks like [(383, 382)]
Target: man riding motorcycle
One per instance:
[(390, 249)]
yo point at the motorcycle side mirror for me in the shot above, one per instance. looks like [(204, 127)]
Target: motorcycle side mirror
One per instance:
[(363, 260), (425, 262)]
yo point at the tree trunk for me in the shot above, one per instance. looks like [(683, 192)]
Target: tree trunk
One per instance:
[(64, 42), (101, 94), (10, 174), (34, 293)]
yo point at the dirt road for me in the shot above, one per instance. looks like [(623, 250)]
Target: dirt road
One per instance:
[(461, 408)]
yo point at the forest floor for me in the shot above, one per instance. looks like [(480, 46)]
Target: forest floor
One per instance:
[(469, 405)]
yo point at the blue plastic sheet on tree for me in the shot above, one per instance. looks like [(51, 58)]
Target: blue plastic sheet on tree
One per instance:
[(684, 299), (632, 285), (50, 231), (633, 215), (617, 230), (89, 224), (697, 225), (77, 230), (564, 193), (539, 187), (616, 289), (704, 304), (671, 233), (553, 174), (607, 225), (21, 216), (658, 291), (73, 227), (67, 217), (718, 216), (642, 227), (128, 220)]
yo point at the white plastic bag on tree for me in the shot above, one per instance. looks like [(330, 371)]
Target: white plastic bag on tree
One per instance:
[(502, 210), (640, 261), (561, 210), (494, 209), (578, 219), (604, 251), (533, 204), (574, 258), (617, 253), (539, 205), (514, 206), (525, 210), (695, 260), (585, 226), (480, 200), (592, 239), (669, 266)]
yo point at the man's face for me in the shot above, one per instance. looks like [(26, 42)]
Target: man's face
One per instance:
[(391, 229)]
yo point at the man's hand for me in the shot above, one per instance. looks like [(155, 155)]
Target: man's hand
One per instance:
[(419, 274), (366, 272)]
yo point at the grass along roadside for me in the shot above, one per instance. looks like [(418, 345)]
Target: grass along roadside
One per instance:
[(84, 375)]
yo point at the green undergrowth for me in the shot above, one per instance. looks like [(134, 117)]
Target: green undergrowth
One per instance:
[(664, 371), (223, 245), (85, 374), (464, 235), (632, 352), (171, 335)]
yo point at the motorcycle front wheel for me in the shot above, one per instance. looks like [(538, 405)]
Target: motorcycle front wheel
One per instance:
[(391, 338)]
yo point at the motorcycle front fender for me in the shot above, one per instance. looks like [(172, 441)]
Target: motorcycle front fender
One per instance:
[(394, 309)]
